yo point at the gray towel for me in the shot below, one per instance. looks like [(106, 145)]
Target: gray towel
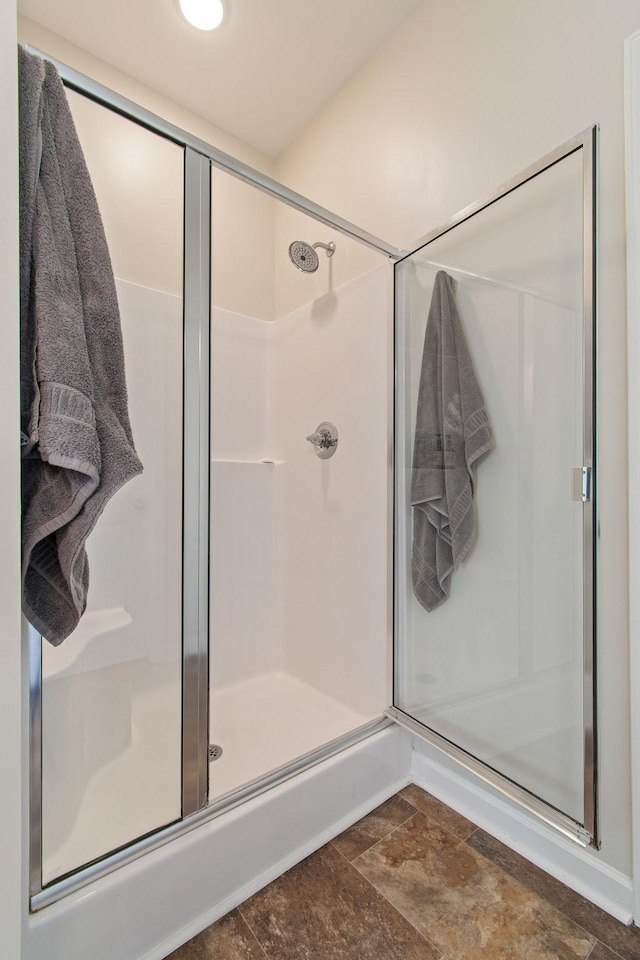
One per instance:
[(452, 433), (77, 444)]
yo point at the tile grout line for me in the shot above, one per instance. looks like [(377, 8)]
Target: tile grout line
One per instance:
[(599, 943), (437, 822), (352, 864), (543, 896), (398, 825), (404, 822), (465, 841), (252, 931), (380, 893), (392, 829), (459, 840), (349, 864)]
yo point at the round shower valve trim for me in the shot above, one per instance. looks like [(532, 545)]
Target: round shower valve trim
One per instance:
[(324, 440)]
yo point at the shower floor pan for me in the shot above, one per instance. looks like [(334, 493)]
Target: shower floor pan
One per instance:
[(261, 724), (268, 721)]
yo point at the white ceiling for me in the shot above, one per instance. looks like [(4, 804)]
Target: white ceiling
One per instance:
[(263, 75)]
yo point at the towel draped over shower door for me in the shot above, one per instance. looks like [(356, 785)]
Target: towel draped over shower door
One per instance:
[(78, 447), (452, 434)]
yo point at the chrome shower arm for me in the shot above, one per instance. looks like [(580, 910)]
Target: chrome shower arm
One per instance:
[(329, 247)]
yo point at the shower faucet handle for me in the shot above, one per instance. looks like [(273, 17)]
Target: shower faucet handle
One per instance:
[(324, 440), (321, 439)]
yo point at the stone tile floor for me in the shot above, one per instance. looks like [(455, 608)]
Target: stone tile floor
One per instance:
[(415, 881)]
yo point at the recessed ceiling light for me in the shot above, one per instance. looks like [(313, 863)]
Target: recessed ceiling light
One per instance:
[(203, 14)]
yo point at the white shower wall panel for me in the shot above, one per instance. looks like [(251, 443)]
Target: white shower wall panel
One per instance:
[(246, 590), (246, 634), (135, 549), (330, 362), (239, 402), (298, 545)]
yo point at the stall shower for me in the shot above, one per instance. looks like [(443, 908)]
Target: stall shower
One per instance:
[(251, 612), (296, 541)]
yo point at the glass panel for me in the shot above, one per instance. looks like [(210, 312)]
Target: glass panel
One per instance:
[(299, 544), (111, 711), (497, 668)]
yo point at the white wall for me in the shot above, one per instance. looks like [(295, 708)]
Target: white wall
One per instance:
[(242, 252), (243, 217), (31, 32), (459, 99), (12, 728), (138, 180)]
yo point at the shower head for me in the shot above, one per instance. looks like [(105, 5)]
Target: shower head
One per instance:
[(304, 257)]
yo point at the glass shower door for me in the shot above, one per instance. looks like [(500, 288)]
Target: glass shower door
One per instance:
[(501, 673), (112, 692)]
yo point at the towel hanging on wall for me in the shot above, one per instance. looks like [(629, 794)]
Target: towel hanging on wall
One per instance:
[(77, 446), (452, 433)]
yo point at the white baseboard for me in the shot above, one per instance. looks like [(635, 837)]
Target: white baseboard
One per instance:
[(581, 869), (272, 873), (149, 907)]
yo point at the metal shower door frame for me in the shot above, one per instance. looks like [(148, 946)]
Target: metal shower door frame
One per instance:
[(196, 482), (585, 833), (195, 530), (200, 157)]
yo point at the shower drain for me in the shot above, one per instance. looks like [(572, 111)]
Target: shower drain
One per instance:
[(215, 752)]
